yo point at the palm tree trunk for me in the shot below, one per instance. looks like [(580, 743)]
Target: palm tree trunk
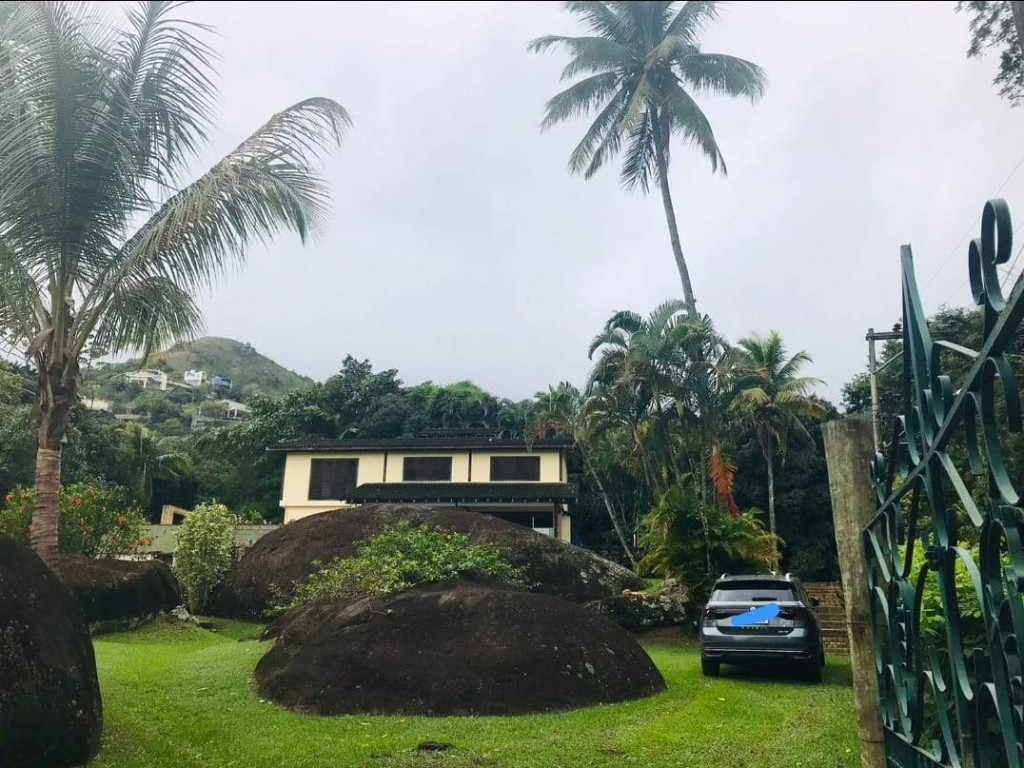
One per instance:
[(55, 396), (769, 461), (610, 507), (661, 157), (43, 531)]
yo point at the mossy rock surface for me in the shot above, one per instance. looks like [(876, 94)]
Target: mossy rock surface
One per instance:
[(463, 648), (640, 613), (118, 594), (287, 555), (50, 709)]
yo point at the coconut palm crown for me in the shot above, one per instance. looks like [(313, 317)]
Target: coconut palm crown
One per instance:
[(639, 69), (104, 243)]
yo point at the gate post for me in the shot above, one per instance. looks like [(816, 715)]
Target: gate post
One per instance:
[(848, 453)]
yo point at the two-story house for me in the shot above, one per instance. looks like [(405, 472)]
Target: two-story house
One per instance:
[(477, 470)]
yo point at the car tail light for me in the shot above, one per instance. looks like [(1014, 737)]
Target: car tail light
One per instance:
[(708, 613), (796, 614)]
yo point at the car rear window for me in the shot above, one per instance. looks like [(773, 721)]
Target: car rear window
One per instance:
[(752, 592)]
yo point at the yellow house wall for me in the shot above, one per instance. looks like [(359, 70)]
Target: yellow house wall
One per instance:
[(295, 486)]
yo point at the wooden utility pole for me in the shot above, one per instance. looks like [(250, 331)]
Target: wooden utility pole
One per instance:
[(848, 452), (873, 369)]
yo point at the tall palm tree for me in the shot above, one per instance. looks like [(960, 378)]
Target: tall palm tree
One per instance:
[(640, 68), (151, 458), (671, 367), (103, 244), (563, 409), (771, 397)]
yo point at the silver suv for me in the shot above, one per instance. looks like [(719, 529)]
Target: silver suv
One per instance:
[(785, 627)]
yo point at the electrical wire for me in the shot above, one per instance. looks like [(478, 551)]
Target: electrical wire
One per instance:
[(970, 229)]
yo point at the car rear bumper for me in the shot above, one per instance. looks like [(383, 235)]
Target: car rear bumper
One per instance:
[(799, 644), (752, 655)]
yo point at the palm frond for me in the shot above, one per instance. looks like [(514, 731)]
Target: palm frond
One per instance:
[(579, 98), (722, 471), (718, 73), (687, 119), (264, 185), (165, 84), (589, 54), (603, 19), (146, 313), (605, 125), (692, 19)]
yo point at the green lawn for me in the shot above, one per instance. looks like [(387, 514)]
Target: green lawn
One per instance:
[(182, 696)]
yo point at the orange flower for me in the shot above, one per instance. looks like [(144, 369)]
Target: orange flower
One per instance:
[(121, 519)]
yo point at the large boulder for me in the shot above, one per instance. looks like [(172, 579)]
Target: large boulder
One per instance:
[(639, 613), (115, 594), (452, 649), (286, 555), (50, 711)]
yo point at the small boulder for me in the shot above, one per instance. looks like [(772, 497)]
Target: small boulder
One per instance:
[(50, 710), (452, 649), (639, 612), (117, 594), (286, 555)]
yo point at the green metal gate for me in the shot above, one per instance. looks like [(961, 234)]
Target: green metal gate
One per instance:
[(944, 550)]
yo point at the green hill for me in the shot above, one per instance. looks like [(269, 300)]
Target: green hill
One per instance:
[(249, 371)]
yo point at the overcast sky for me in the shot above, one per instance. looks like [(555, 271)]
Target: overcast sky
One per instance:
[(461, 248)]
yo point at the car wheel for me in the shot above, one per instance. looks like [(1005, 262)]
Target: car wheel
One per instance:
[(709, 668)]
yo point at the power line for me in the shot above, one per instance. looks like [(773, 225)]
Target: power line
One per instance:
[(970, 229), (1006, 275)]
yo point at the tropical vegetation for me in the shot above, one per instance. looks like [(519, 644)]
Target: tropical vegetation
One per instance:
[(94, 520), (771, 396), (104, 242), (639, 68), (204, 551), (397, 559)]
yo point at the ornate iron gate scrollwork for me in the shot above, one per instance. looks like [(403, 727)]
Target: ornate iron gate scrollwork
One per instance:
[(944, 487)]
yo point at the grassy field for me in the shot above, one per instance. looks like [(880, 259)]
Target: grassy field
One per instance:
[(183, 696)]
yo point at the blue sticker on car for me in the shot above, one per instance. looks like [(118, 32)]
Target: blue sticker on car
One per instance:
[(756, 616)]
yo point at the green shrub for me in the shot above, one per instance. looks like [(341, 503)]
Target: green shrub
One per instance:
[(204, 552), (93, 521), (397, 559), (673, 539)]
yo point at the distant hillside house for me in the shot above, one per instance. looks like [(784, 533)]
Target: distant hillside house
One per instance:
[(96, 404), (471, 469), (236, 410), (149, 379), (194, 378)]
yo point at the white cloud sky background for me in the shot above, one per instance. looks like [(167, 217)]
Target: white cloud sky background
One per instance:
[(461, 248)]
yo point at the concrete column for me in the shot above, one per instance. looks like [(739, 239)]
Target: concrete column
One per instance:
[(848, 451)]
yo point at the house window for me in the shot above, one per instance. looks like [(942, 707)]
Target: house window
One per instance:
[(515, 468), (331, 479), (427, 469)]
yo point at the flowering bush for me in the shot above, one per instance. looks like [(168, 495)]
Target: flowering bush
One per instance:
[(204, 552), (93, 521)]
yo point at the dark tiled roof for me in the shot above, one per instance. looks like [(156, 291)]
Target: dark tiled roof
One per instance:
[(461, 492), (452, 443)]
